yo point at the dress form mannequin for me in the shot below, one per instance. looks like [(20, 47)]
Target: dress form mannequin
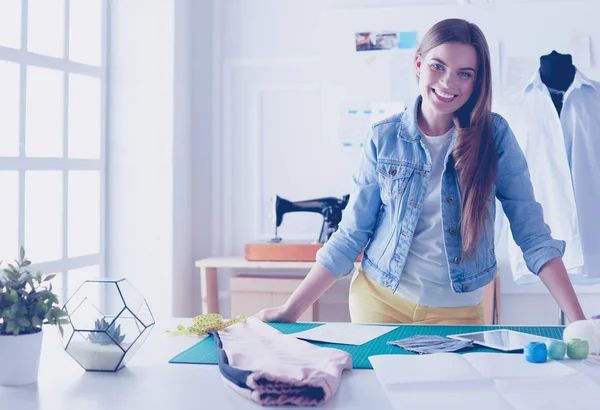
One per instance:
[(557, 73)]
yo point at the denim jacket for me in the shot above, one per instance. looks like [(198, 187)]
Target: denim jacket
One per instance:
[(389, 189)]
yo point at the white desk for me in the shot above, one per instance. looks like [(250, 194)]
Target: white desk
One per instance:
[(149, 382)]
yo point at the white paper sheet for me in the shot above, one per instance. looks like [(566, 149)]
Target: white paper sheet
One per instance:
[(569, 392), (455, 395), (422, 368), (482, 380), (507, 366), (344, 333)]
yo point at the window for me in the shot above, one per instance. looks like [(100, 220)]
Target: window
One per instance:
[(52, 133)]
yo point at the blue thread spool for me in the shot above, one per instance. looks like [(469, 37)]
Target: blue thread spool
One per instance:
[(536, 352), (557, 349)]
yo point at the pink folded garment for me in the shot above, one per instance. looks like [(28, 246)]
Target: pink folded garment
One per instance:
[(274, 369)]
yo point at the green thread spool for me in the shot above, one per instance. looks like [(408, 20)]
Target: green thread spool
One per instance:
[(578, 349), (557, 349)]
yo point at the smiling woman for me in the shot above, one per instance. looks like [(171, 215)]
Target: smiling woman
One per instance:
[(424, 201)]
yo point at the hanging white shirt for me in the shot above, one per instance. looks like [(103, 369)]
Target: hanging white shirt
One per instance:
[(562, 155)]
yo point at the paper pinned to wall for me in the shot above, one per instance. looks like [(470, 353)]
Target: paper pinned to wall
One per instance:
[(408, 40), (579, 46), (354, 122), (517, 73), (355, 119), (403, 80), (382, 110)]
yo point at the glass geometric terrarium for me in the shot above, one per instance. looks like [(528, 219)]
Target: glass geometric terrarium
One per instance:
[(109, 321)]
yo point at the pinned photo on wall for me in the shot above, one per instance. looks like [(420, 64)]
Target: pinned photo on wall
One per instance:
[(375, 40), (385, 40)]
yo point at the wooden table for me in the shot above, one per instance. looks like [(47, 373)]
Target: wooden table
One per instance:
[(209, 288)]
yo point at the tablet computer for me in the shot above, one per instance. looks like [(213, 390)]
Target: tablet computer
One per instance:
[(501, 339)]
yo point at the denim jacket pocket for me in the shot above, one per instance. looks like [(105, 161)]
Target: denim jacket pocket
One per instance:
[(393, 177)]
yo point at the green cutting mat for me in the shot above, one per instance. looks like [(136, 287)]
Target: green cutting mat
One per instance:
[(205, 352)]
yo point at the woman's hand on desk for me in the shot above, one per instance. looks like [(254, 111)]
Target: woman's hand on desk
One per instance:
[(276, 314)]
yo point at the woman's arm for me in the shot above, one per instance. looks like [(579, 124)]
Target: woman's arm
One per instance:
[(312, 287), (337, 256), (555, 277)]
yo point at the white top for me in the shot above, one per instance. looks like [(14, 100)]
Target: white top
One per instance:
[(426, 278), (562, 154)]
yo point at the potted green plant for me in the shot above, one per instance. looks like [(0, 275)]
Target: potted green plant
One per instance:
[(26, 304)]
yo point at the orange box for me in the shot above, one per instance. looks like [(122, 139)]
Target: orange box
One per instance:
[(296, 252)]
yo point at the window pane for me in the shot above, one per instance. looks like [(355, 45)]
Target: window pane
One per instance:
[(85, 102), (84, 213), (9, 107), (57, 286), (10, 23), (9, 216), (44, 113), (76, 277), (85, 33), (46, 27), (43, 215)]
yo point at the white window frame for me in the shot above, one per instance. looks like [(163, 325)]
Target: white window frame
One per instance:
[(22, 163)]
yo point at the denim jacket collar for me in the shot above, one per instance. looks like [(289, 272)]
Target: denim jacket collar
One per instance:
[(409, 126)]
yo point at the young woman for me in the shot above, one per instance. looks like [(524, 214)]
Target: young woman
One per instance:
[(423, 204)]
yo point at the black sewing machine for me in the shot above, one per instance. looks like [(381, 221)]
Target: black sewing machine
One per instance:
[(276, 249), (331, 208)]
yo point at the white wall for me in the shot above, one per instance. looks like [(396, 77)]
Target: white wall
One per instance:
[(203, 79), (268, 126), (214, 107), (140, 151)]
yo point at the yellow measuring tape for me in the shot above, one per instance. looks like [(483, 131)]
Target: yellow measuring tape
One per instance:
[(203, 324)]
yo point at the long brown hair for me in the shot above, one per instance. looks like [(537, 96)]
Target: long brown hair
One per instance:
[(474, 155)]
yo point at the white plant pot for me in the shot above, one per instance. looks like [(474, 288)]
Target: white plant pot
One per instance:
[(20, 359)]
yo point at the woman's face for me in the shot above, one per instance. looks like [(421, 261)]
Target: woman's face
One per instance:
[(447, 76)]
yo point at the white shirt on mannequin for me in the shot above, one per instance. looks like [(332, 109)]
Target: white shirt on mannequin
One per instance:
[(562, 154)]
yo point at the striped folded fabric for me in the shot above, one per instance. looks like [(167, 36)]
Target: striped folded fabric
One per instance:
[(426, 344), (273, 369)]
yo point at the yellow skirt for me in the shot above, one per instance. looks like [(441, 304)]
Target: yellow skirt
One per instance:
[(370, 302)]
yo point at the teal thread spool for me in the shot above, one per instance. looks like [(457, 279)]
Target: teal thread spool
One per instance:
[(536, 352), (578, 349), (557, 349)]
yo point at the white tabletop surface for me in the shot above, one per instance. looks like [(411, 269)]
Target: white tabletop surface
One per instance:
[(150, 382)]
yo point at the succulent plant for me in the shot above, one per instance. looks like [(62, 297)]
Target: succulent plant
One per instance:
[(105, 336)]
